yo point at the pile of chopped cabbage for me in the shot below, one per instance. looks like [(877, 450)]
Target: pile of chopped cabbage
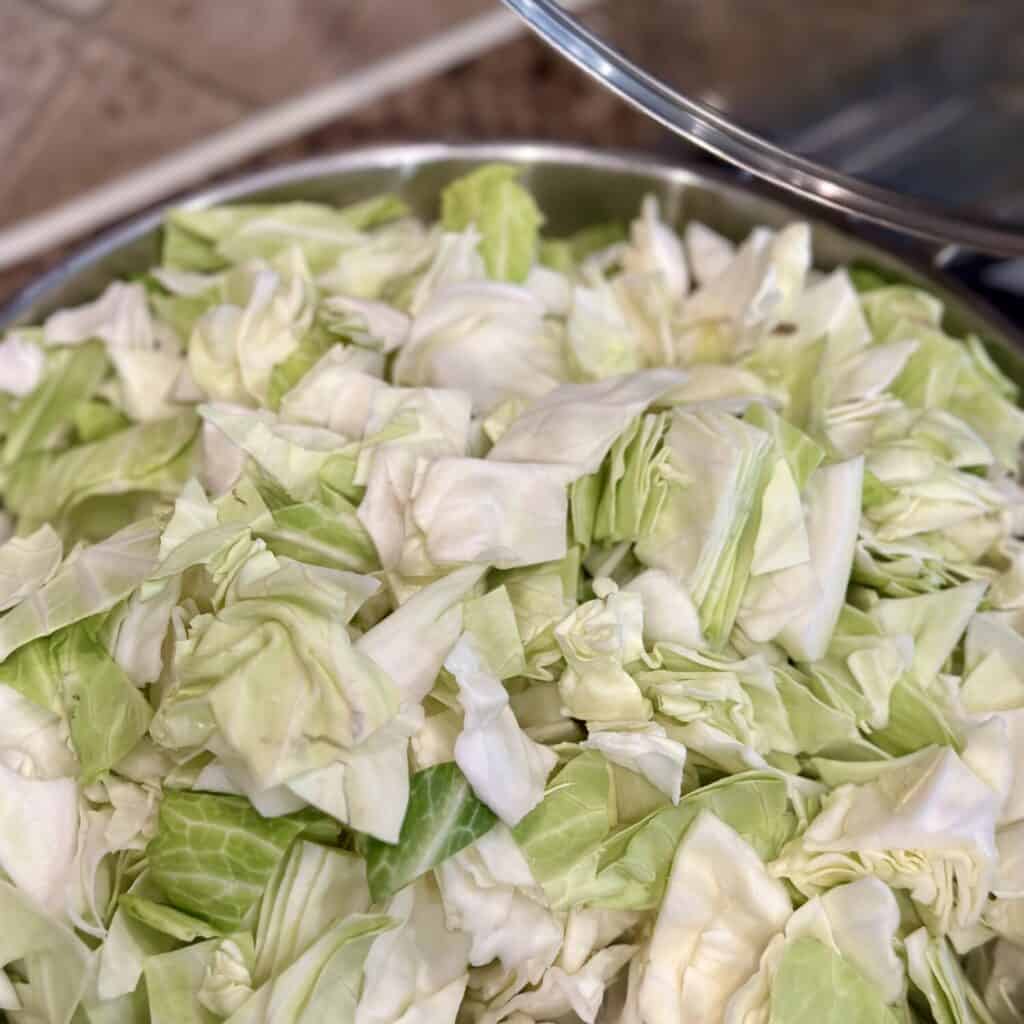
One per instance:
[(413, 623)]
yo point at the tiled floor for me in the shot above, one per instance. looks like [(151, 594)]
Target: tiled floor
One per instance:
[(90, 89), (115, 110), (521, 90), (262, 50)]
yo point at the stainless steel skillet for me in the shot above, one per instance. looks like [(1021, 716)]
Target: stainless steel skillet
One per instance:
[(575, 186)]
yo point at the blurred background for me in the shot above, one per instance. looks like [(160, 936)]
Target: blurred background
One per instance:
[(93, 89), (925, 99)]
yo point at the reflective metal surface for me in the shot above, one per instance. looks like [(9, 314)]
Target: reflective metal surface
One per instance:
[(575, 186), (911, 116)]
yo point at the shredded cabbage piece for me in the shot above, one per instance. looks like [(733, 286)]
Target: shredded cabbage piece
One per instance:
[(452, 623)]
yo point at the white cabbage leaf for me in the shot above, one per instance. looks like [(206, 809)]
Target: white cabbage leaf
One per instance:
[(418, 970), (858, 922), (314, 887), (235, 346), (21, 364), (285, 626), (597, 640), (720, 911), (292, 454), (586, 418), (56, 964), (90, 580), (524, 524), (38, 835), (146, 355), (647, 751), (705, 531), (926, 825), (486, 338), (506, 769), (27, 563), (490, 894), (336, 392)]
